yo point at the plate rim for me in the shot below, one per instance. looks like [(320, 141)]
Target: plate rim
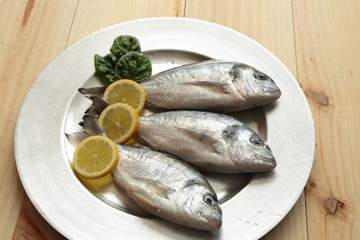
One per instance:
[(20, 121)]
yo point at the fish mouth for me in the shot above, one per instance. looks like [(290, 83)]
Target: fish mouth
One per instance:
[(272, 89), (268, 159), (214, 221)]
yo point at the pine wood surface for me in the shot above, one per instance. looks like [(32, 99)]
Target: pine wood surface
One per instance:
[(317, 40)]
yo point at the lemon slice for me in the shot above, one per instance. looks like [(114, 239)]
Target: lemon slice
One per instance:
[(95, 157), (96, 185), (126, 91), (119, 121)]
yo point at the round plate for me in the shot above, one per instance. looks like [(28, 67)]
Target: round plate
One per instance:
[(53, 107)]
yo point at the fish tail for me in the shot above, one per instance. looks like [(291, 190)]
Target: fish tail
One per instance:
[(92, 92), (99, 104), (76, 138), (90, 128), (89, 122), (91, 111)]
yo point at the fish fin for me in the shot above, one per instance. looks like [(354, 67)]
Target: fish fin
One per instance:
[(151, 187), (151, 194), (91, 111), (218, 147), (144, 202), (211, 86), (92, 92), (90, 126), (99, 104), (76, 138), (213, 144), (153, 108)]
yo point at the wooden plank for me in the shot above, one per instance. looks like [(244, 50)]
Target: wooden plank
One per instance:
[(31, 35), (31, 225), (272, 28), (328, 53), (292, 226), (271, 24), (111, 12), (58, 18)]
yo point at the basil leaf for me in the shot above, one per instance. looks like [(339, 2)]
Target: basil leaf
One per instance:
[(100, 64), (102, 78), (124, 44), (135, 66), (105, 68), (124, 61)]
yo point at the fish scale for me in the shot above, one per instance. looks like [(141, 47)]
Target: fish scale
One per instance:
[(209, 141), (159, 183), (214, 85)]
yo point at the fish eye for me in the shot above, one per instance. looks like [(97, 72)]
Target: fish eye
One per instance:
[(209, 199), (260, 76), (256, 141)]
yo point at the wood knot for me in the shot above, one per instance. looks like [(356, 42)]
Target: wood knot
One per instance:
[(310, 186), (331, 205), (28, 9), (318, 97)]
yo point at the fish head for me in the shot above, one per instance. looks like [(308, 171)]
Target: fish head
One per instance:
[(200, 207), (254, 85), (247, 150)]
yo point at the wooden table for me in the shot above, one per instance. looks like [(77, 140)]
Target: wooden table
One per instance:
[(318, 40)]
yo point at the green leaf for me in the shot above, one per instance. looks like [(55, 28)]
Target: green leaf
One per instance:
[(100, 63), (105, 68), (124, 44), (102, 78), (124, 61), (135, 66)]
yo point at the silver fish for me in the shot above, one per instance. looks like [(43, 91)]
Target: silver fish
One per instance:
[(213, 85), (162, 184), (167, 187), (209, 141)]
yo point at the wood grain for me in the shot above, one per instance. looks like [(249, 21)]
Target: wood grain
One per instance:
[(32, 226), (67, 22), (317, 40), (327, 39), (111, 12), (293, 226), (273, 28), (32, 35)]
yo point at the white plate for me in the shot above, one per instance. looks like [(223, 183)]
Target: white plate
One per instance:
[(53, 107)]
